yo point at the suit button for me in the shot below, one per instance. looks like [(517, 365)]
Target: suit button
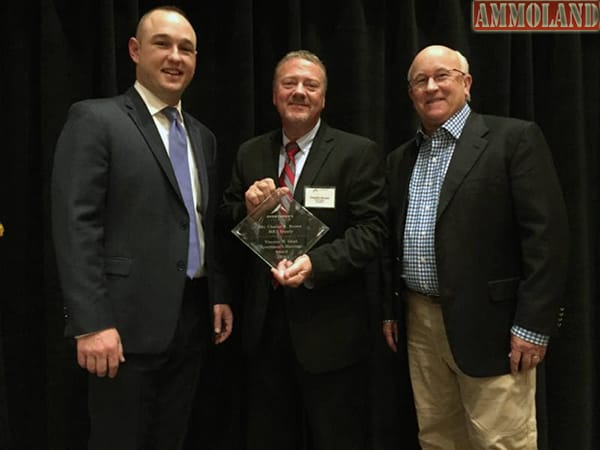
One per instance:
[(397, 259), (180, 266), (183, 224), (396, 294)]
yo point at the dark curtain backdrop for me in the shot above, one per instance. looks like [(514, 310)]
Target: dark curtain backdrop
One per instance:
[(57, 52)]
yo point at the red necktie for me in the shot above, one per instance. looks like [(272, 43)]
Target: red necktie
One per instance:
[(288, 174), (287, 179)]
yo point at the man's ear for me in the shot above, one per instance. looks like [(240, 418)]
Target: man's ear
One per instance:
[(468, 80), (134, 49)]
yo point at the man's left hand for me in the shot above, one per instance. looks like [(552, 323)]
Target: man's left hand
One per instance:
[(223, 322), (524, 355), (293, 274)]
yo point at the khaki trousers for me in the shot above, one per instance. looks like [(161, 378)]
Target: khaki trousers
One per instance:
[(458, 412)]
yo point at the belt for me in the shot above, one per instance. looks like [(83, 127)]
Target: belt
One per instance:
[(430, 298)]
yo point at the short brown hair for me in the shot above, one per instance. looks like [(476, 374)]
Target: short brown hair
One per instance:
[(306, 55)]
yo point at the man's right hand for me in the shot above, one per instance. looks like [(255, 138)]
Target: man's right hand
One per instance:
[(390, 332), (258, 192), (100, 353)]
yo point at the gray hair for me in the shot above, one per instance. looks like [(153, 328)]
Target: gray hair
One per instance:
[(462, 62)]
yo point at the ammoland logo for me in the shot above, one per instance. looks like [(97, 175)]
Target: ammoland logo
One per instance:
[(549, 15)]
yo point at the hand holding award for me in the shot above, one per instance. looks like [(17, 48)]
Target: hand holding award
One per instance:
[(280, 229)]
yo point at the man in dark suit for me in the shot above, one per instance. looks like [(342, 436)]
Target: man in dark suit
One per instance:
[(305, 335), (135, 243), (479, 259)]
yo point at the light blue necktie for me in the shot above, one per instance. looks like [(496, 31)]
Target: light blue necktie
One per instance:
[(179, 160)]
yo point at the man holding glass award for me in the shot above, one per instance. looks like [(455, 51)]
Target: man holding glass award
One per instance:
[(309, 201)]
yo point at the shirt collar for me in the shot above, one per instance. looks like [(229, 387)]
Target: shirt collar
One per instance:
[(454, 125), (305, 142), (153, 103)]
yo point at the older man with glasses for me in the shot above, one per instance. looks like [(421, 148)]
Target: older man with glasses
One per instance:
[(478, 262)]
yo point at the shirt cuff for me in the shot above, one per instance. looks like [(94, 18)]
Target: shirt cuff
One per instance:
[(530, 336)]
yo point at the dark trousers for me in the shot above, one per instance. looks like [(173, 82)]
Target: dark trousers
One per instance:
[(147, 405), (292, 409)]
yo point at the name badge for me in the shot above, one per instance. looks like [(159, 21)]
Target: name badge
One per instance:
[(319, 197)]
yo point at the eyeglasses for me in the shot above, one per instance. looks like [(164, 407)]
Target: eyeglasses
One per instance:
[(441, 78)]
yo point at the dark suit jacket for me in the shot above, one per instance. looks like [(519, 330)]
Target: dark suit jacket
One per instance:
[(120, 226), (328, 324), (500, 240)]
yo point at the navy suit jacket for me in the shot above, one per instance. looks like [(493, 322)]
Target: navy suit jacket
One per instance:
[(120, 226), (501, 239), (328, 323)]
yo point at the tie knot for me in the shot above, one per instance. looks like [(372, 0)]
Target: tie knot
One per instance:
[(170, 113), (291, 149)]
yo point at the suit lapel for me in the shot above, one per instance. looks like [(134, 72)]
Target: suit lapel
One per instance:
[(270, 156), (139, 114), (469, 147), (201, 158), (321, 147)]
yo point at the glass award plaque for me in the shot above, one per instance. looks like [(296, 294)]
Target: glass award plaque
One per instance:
[(280, 228)]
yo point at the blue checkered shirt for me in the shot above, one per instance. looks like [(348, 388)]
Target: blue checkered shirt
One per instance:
[(419, 263)]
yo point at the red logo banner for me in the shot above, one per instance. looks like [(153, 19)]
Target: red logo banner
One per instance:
[(544, 16)]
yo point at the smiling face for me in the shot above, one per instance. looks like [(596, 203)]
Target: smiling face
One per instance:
[(164, 51), (435, 102), (299, 95)]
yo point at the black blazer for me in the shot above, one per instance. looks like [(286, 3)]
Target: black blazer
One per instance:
[(120, 226), (501, 238), (328, 323)]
